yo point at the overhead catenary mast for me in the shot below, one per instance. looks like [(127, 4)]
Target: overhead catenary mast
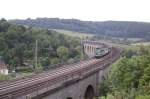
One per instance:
[(82, 47), (36, 53)]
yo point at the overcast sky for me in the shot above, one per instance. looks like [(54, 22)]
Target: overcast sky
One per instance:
[(93, 10)]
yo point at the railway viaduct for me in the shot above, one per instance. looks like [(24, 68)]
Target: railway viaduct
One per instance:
[(75, 81)]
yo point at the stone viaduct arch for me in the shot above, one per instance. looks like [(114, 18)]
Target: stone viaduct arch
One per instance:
[(79, 89), (89, 93)]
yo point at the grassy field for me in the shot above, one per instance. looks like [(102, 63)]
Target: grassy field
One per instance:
[(142, 43), (128, 39), (123, 46), (74, 34)]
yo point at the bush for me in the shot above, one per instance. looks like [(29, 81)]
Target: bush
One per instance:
[(4, 77), (143, 97), (24, 70)]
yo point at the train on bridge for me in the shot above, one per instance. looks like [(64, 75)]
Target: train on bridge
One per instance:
[(100, 52), (95, 49)]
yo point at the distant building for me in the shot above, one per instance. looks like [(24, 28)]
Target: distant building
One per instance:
[(3, 67)]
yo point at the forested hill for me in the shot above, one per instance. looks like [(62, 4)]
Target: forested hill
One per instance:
[(111, 28), (17, 46)]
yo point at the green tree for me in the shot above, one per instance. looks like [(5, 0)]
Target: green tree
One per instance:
[(129, 77), (63, 53), (54, 61)]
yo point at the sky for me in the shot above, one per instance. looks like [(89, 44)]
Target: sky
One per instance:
[(88, 10)]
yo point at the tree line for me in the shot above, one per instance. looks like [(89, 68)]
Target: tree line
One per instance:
[(124, 29), (17, 46)]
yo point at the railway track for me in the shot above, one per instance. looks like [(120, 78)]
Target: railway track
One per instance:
[(49, 75), (57, 75), (44, 75)]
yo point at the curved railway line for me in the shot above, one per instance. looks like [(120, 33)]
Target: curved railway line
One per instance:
[(60, 75)]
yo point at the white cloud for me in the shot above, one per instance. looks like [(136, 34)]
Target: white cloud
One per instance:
[(100, 10)]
